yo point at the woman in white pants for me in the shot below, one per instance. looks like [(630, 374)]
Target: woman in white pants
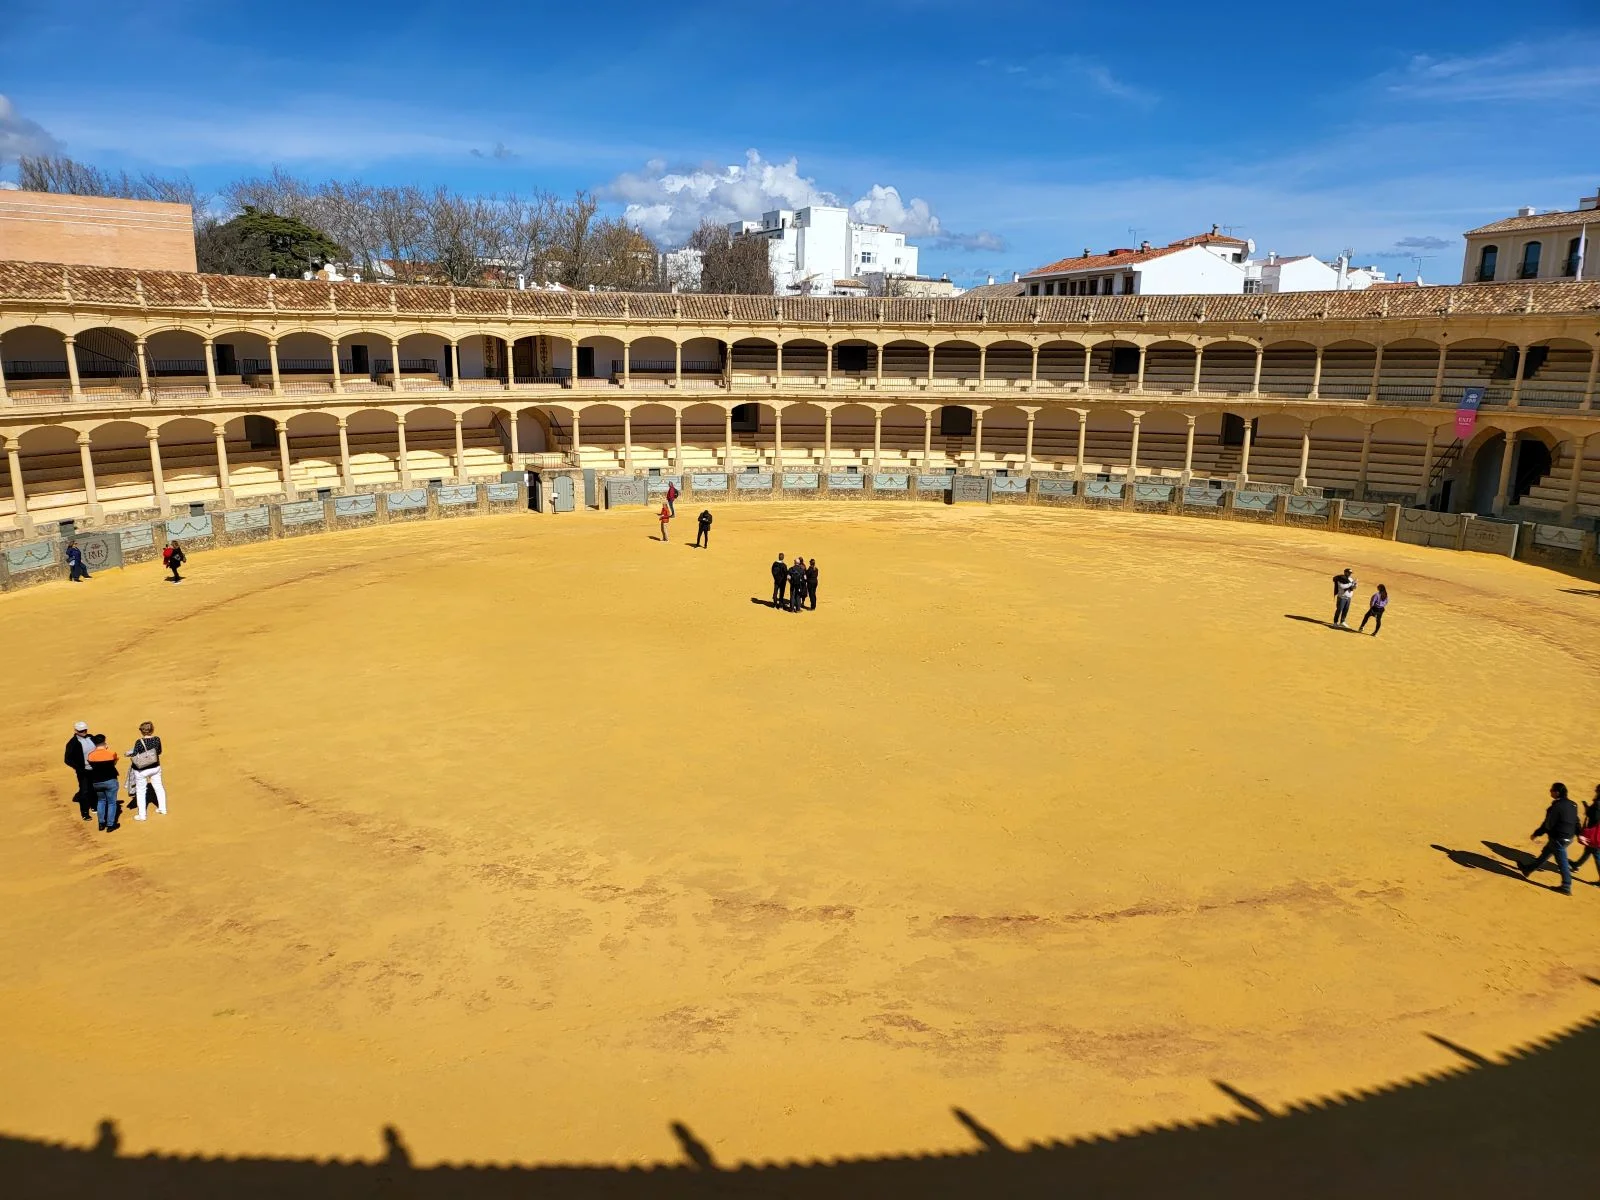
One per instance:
[(144, 770)]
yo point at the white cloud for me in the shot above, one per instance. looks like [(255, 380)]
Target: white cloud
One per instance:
[(1522, 71), (669, 205), (20, 136), (1070, 72)]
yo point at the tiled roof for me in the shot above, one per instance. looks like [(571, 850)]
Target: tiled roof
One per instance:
[(25, 284), (1123, 258), (1549, 220), (996, 291)]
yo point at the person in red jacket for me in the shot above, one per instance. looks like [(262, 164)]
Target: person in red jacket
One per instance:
[(664, 516), (172, 558), (672, 498)]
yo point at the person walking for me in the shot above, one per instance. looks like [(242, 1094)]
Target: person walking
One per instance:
[(811, 583), (780, 578), (797, 584), (77, 757), (1559, 828), (702, 529), (173, 557), (1589, 835), (1344, 586), (144, 771), (664, 516), (76, 568), (1375, 608), (103, 775), (672, 498)]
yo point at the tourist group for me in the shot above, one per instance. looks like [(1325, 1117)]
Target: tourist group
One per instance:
[(1344, 587), (172, 557), (799, 579), (1560, 827), (94, 764)]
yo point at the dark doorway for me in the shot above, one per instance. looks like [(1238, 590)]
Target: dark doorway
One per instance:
[(261, 433), (1124, 360), (746, 418), (1532, 465), (522, 358), (585, 362), (852, 358), (1233, 429), (955, 421), (227, 364), (360, 364)]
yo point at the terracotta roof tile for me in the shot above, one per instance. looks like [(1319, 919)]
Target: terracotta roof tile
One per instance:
[(1550, 220)]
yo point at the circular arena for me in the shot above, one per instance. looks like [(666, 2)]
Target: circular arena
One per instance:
[(538, 840)]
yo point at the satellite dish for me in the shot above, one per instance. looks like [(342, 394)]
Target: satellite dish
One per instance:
[(1250, 245)]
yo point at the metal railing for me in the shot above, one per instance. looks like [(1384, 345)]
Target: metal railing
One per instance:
[(698, 366), (36, 368)]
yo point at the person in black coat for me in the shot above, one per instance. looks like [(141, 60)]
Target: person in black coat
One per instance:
[(1559, 828), (780, 576), (702, 529), (77, 757), (811, 583), (797, 584)]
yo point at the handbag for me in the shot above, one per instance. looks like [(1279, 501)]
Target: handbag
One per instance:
[(1590, 836), (144, 759)]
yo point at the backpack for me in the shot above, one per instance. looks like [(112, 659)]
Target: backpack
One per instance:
[(167, 556)]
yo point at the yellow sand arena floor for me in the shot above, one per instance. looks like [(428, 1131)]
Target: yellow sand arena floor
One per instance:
[(533, 835)]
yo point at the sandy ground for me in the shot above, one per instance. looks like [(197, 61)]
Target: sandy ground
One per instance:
[(531, 836)]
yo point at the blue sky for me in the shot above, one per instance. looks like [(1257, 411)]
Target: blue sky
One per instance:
[(1010, 132)]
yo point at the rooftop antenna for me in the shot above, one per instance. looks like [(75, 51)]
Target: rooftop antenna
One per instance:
[(1417, 260), (1134, 231), (1229, 229)]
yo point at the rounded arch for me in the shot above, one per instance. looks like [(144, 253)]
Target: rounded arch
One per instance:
[(1169, 365), (1063, 360), (904, 359), (1008, 358), (755, 356), (1288, 367), (955, 360), (805, 360)]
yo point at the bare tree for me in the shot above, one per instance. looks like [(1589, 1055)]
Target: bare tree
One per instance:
[(62, 175), (729, 264)]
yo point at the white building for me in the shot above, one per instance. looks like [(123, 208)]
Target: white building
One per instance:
[(1530, 245), (1212, 264), (811, 250)]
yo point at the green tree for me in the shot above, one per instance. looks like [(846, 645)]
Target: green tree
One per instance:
[(257, 242)]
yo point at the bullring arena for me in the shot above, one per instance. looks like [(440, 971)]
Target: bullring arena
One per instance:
[(525, 839)]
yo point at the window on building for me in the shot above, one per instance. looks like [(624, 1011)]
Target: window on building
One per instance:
[(866, 256), (1127, 285), (1252, 287), (1033, 289), (1488, 262), (1530, 261), (1105, 285), (1574, 252)]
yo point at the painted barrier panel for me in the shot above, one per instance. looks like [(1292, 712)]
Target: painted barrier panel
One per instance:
[(1008, 485), (503, 493), (31, 556), (1422, 528), (658, 483), (1558, 537), (355, 506), (1203, 497), (1102, 489), (1058, 487), (800, 481), (137, 537), (1254, 501), (934, 483), (100, 549), (246, 520), (846, 481), (458, 494), (754, 481), (1309, 506), (709, 481), (1491, 537), (626, 489), (1362, 510), (1152, 493), (402, 501), (969, 489), (302, 512), (185, 528), (890, 483)]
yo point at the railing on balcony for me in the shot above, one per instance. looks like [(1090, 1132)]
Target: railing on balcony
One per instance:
[(408, 366), (177, 366), (1544, 399), (652, 366), (1404, 393), (553, 375), (36, 368)]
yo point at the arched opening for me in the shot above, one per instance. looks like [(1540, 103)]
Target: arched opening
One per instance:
[(35, 362), (1227, 369), (1555, 374), (1062, 362), (854, 359), (1114, 366), (242, 361), (755, 360), (108, 360), (955, 362), (120, 451), (305, 364), (703, 362), (314, 452), (176, 362), (705, 435), (52, 474), (359, 356), (654, 437), (1347, 368), (652, 362), (1009, 361), (802, 436), (422, 366), (805, 361), (852, 436), (485, 442), (1409, 366), (189, 463), (1488, 263), (430, 444), (902, 437), (1287, 369), (1532, 465), (905, 361), (1169, 367), (1476, 362)]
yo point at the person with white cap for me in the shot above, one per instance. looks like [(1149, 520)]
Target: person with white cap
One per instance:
[(77, 757)]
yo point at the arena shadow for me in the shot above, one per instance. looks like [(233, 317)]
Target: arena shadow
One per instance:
[(1483, 1128), (1316, 621), (1479, 862), (1582, 592)]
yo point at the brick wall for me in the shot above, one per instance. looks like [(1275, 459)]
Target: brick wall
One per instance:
[(93, 231)]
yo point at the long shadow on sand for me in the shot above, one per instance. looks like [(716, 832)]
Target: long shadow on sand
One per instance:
[(1316, 621), (1480, 862)]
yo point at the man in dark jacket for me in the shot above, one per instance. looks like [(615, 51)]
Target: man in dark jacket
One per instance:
[(77, 757), (797, 584), (702, 529), (1559, 828), (76, 568), (811, 582), (780, 576)]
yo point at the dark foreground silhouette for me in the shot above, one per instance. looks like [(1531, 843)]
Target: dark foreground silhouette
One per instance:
[(1511, 1127)]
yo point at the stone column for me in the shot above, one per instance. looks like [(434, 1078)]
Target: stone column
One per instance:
[(1316, 376), (677, 437), (1033, 372), (727, 439), (1138, 383), (272, 359), (1366, 455), (1083, 437), (572, 378), (827, 438), (157, 479), (1244, 452), (927, 436), (778, 382), (461, 451), (224, 485), (577, 429), (346, 477), (75, 383), (209, 349), (1133, 449), (516, 438), (19, 494), (877, 438), (1027, 444), (827, 378), (1516, 379), (338, 379), (1088, 361), (1188, 451), (394, 366), (455, 365), (1438, 376), (144, 370), (977, 439), (3, 396), (877, 362), (930, 364), (1255, 381), (1199, 357), (1569, 510), (1503, 492), (1305, 454), (285, 463), (677, 365), (983, 364), (403, 455), (1377, 371), (777, 439), (91, 495), (627, 434), (1424, 491), (1587, 404)]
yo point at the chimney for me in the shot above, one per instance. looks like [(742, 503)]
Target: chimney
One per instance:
[(1589, 203), (1016, 277), (1144, 245), (1215, 229), (991, 281), (1525, 211), (1086, 252), (1272, 257)]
